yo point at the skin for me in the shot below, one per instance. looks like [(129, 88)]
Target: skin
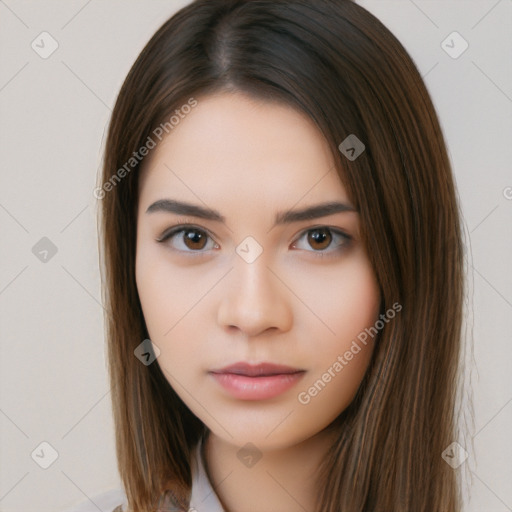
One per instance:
[(206, 307)]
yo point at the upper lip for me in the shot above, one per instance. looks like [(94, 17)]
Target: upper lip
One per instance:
[(257, 370)]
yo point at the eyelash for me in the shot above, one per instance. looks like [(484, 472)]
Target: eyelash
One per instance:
[(181, 228)]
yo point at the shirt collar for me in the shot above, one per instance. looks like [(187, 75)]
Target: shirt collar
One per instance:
[(203, 497)]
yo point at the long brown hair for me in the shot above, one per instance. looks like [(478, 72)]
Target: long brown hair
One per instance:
[(336, 62)]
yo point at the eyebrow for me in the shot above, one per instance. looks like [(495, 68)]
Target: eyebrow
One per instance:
[(286, 217)]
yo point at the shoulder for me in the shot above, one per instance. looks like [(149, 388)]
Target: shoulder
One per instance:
[(110, 501)]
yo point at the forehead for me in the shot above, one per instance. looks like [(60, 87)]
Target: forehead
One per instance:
[(233, 146)]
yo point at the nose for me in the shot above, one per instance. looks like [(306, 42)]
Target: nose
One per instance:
[(254, 299)]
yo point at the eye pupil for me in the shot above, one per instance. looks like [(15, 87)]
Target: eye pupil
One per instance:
[(194, 236), (319, 236)]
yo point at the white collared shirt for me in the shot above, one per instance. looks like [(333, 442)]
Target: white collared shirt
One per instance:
[(203, 498)]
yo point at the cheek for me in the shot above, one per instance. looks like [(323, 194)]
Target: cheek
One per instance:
[(165, 294), (342, 348), (154, 293), (172, 300), (356, 303), (160, 300), (344, 304)]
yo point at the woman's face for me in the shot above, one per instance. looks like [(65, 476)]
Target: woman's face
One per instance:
[(254, 304)]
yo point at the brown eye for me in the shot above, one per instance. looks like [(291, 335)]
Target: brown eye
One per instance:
[(323, 241), (319, 239), (194, 239), (188, 239)]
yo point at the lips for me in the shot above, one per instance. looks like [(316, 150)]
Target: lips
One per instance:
[(258, 370), (263, 381)]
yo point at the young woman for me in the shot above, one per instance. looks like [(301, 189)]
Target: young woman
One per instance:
[(282, 262)]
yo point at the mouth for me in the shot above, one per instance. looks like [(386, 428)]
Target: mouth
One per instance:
[(257, 382)]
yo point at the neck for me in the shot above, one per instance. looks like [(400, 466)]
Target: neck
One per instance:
[(248, 480)]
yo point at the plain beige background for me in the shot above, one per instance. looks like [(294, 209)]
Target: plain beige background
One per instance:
[(53, 116)]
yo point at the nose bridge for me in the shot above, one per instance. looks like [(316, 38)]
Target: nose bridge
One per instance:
[(254, 300)]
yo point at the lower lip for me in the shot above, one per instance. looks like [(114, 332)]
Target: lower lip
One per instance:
[(257, 388)]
